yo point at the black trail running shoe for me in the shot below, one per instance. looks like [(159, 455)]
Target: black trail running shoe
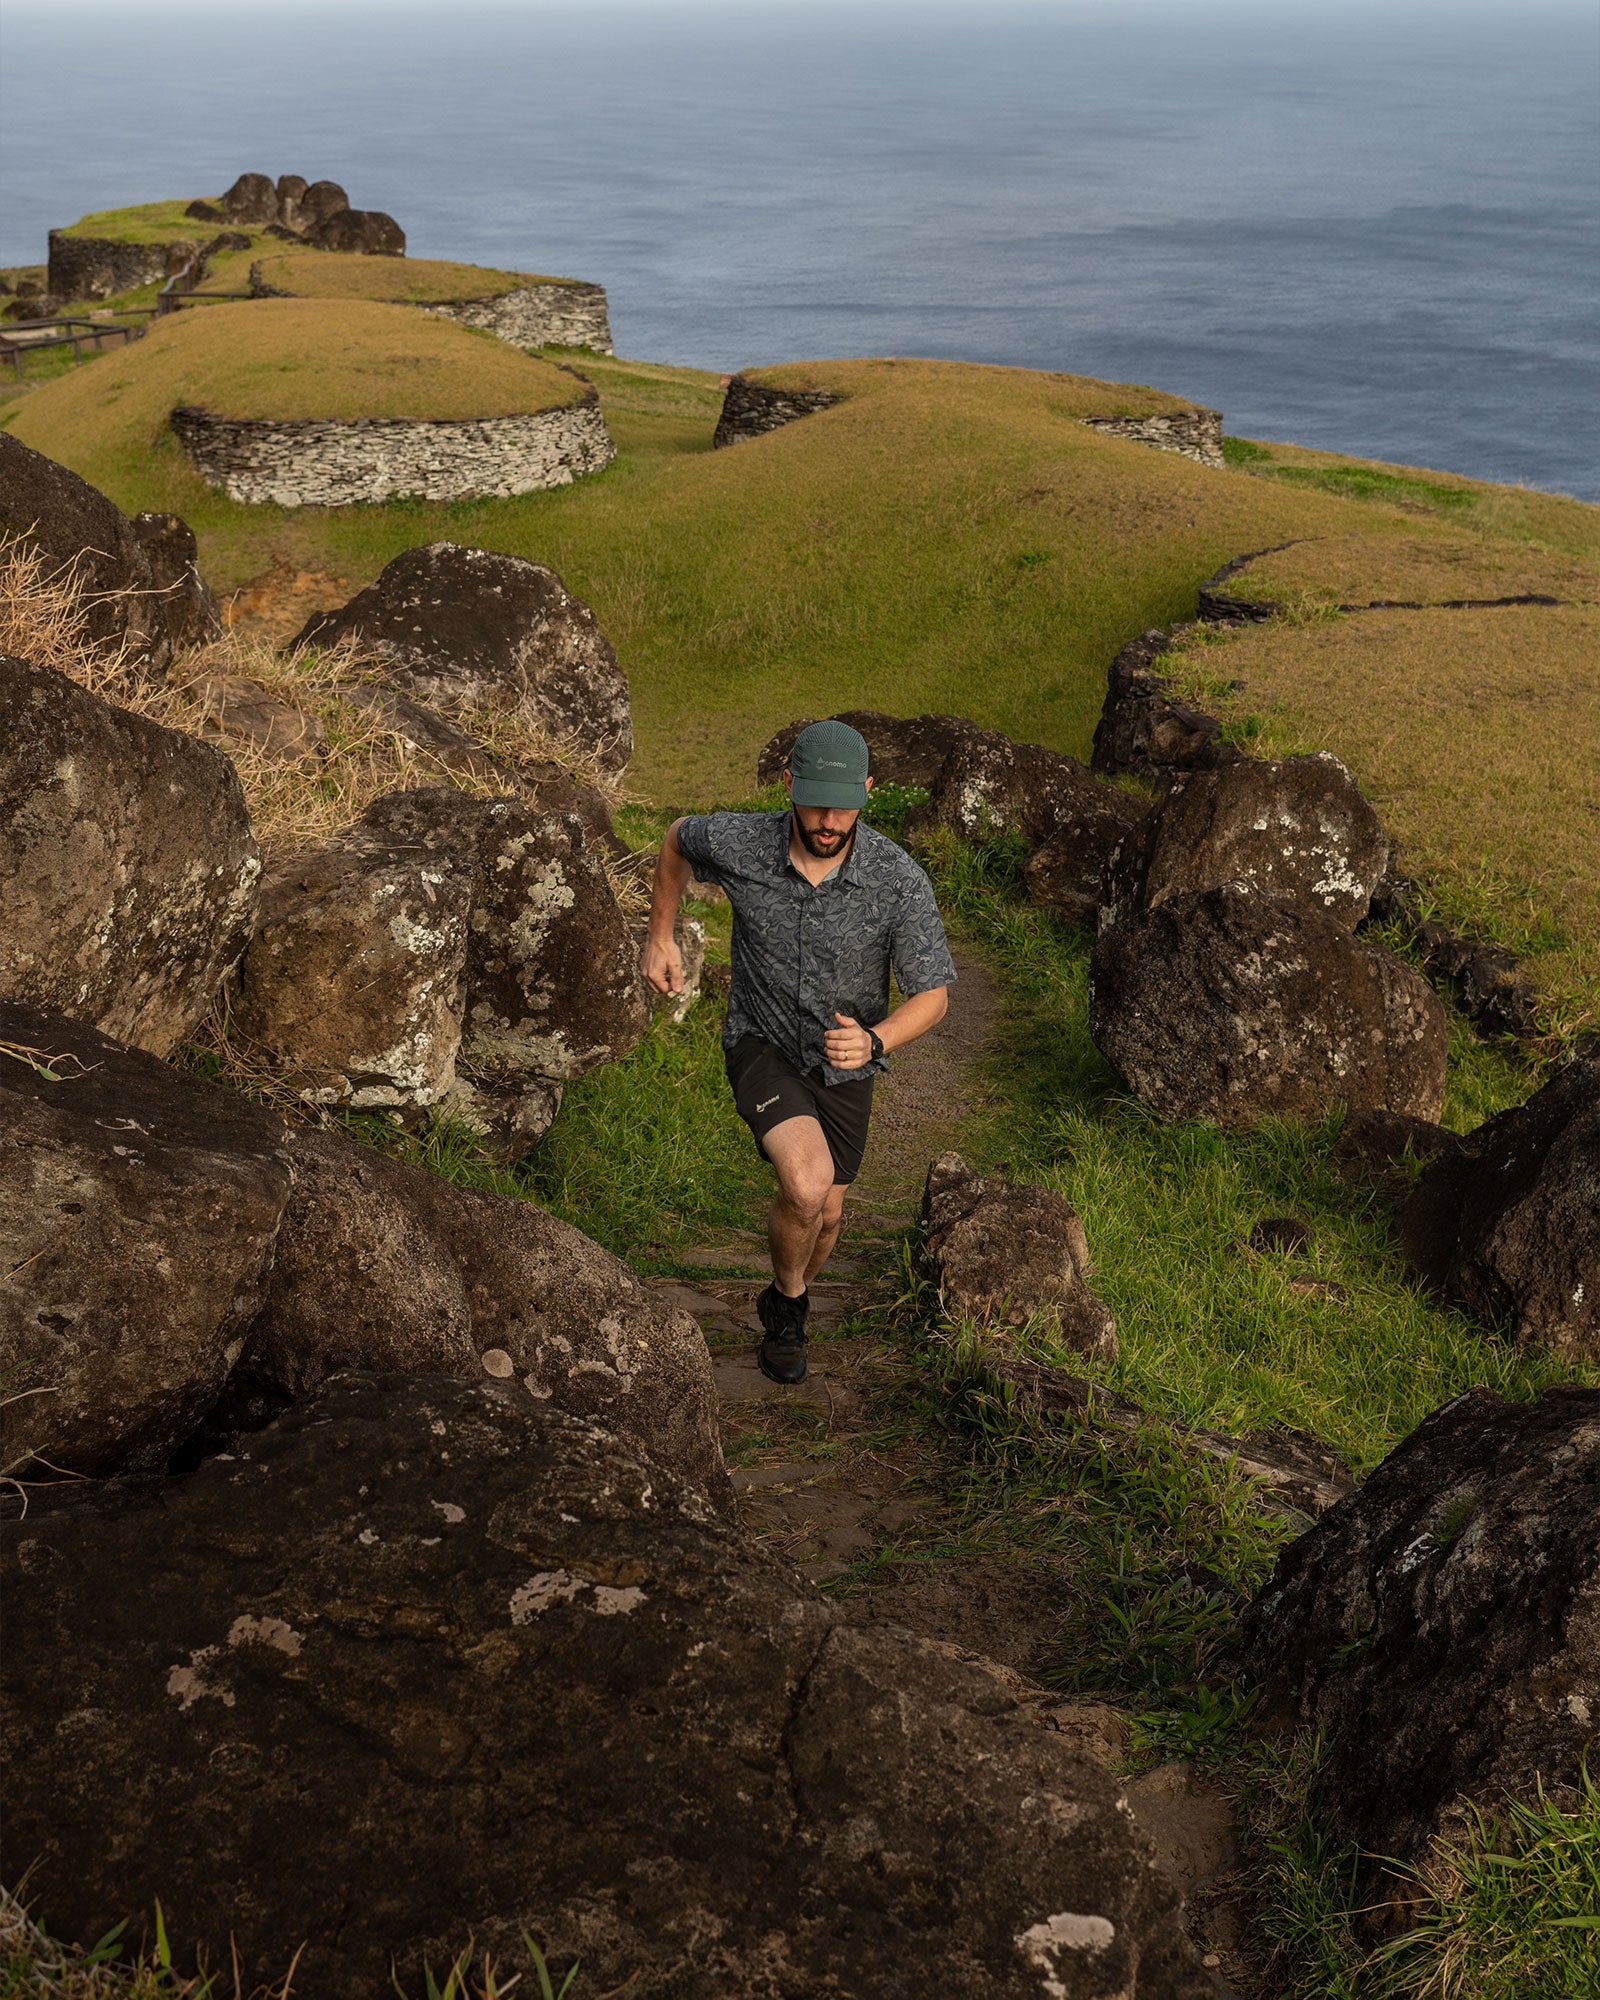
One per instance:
[(781, 1356)]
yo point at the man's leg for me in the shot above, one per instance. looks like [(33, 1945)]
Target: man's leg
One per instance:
[(803, 1221)]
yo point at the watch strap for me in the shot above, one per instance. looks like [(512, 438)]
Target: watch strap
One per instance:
[(877, 1043)]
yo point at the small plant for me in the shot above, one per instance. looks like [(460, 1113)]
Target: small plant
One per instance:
[(1244, 451)]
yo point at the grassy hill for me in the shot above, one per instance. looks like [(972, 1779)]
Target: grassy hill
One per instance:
[(145, 222), (950, 536), (287, 358), (336, 274)]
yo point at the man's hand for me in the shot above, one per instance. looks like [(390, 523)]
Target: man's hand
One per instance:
[(662, 966), (849, 1046)]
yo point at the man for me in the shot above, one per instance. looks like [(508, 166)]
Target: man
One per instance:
[(822, 907)]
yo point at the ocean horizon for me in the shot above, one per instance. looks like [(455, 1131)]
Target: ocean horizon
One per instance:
[(1370, 231)]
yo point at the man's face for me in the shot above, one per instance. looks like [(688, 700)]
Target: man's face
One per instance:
[(825, 831)]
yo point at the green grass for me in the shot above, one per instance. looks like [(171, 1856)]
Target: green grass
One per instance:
[(146, 222), (870, 555), (1361, 482)]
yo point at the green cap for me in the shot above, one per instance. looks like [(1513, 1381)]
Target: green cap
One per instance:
[(829, 766)]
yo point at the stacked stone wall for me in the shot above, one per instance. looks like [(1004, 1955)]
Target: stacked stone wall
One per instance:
[(94, 267), (572, 315), (1195, 433), (750, 409), (320, 462)]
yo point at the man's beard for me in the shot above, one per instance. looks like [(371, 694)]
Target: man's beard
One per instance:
[(823, 853)]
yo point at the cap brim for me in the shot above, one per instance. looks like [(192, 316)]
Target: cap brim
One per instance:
[(811, 792)]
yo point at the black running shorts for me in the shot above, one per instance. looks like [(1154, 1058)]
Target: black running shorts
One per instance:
[(767, 1089)]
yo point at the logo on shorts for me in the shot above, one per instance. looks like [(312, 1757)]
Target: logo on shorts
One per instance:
[(767, 1105)]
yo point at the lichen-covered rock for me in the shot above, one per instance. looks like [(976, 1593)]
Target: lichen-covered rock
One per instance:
[(1508, 1225), (552, 985), (353, 982), (381, 1266), (128, 871), (244, 717), (989, 785), (904, 749), (1007, 1252), (497, 1673), (1442, 1626), (463, 625), (1232, 1005), (138, 1212), (139, 588), (1069, 871), (1298, 829)]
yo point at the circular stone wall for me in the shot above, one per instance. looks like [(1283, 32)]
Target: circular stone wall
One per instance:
[(324, 462)]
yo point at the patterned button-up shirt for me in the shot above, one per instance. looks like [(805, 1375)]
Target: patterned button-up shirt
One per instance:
[(804, 951)]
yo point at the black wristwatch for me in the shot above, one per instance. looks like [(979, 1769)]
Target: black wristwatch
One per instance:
[(877, 1043)]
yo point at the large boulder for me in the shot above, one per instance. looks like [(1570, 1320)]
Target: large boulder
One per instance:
[(252, 198), (1299, 829), (128, 871), (138, 587), (138, 1213), (444, 926), (1509, 1224), (1442, 1625), (318, 202), (904, 750), (1232, 1005), (434, 1665), (456, 625), (353, 983), (368, 232), (1069, 872), (1012, 1254), (383, 1267), (989, 785)]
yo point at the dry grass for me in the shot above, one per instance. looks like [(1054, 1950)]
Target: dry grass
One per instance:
[(1477, 734), (294, 358), (299, 802), (337, 274), (1359, 569), (34, 1967)]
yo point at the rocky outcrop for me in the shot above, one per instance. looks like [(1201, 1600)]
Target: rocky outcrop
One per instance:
[(1069, 872), (330, 462), (1195, 433), (1508, 1224), (549, 314), (1011, 1254), (253, 198), (317, 211), (1232, 1005), (139, 588), (1298, 829), (1143, 732), (128, 871), (1443, 1625), (750, 408), (138, 1214), (503, 1675), (443, 926), (1487, 981), (382, 1267), (455, 624)]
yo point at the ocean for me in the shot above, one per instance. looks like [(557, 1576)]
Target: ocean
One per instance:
[(1373, 230)]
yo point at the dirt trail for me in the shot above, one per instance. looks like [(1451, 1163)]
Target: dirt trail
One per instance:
[(816, 1468)]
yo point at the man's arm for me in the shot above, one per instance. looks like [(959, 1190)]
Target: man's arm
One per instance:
[(662, 962), (849, 1046)]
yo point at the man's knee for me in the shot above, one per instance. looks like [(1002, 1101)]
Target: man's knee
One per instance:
[(807, 1190)]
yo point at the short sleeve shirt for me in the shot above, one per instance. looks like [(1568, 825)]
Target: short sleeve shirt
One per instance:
[(804, 951)]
